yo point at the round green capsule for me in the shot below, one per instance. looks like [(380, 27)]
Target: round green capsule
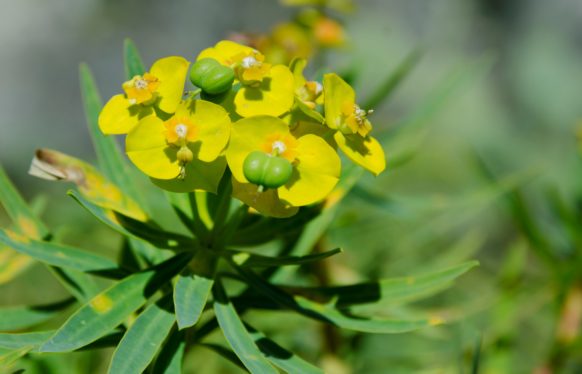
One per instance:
[(212, 77), (266, 170)]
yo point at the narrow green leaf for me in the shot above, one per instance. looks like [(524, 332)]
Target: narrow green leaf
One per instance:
[(13, 264), (21, 317), (329, 313), (143, 339), (388, 291), (264, 230), (282, 358), (133, 63), (21, 340), (225, 353), (180, 203), (253, 260), (236, 334), (58, 254), (190, 295), (24, 219), (393, 80), (169, 360), (111, 307), (80, 285), (8, 359), (134, 229), (29, 225), (109, 157)]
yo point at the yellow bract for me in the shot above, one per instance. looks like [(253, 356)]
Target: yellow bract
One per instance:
[(163, 87), (351, 124), (199, 127), (273, 96), (264, 89), (316, 165), (227, 52)]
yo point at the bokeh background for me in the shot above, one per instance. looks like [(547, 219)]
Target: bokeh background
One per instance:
[(491, 108)]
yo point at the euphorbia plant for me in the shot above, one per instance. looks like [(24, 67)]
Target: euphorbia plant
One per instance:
[(246, 158)]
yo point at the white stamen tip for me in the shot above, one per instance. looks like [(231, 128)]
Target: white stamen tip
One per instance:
[(249, 62), (279, 147), (141, 84), (318, 88), (181, 130)]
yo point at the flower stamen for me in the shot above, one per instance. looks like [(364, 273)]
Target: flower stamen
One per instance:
[(141, 89)]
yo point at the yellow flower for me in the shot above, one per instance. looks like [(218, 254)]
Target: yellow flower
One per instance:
[(286, 41), (352, 126), (182, 153), (308, 94), (316, 165), (264, 89), (162, 87), (328, 32)]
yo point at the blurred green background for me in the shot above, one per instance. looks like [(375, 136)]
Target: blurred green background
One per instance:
[(499, 85)]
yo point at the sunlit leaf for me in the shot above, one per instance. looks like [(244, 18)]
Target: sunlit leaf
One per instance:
[(328, 313), (282, 358), (58, 254), (20, 317), (247, 259), (132, 228), (236, 334), (54, 165), (143, 338), (111, 307), (169, 360), (132, 60), (190, 295), (26, 339)]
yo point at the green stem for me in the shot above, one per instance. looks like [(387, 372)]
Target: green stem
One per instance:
[(220, 211), (198, 225)]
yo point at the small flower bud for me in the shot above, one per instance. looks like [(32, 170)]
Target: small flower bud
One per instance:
[(212, 77)]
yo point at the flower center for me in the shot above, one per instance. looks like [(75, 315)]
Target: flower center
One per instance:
[(278, 147), (141, 84), (361, 114), (141, 89), (250, 69), (181, 130), (249, 62), (354, 119), (281, 145)]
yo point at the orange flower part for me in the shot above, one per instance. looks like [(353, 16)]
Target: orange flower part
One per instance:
[(282, 145), (141, 88), (251, 67), (328, 32), (180, 131)]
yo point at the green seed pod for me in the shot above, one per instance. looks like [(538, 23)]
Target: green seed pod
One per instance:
[(212, 77), (266, 170)]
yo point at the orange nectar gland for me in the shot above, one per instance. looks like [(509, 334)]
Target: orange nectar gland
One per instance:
[(141, 88), (180, 131), (281, 145), (252, 68), (356, 119)]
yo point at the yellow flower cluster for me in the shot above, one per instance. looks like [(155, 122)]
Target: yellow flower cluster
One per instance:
[(275, 131), (308, 33)]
